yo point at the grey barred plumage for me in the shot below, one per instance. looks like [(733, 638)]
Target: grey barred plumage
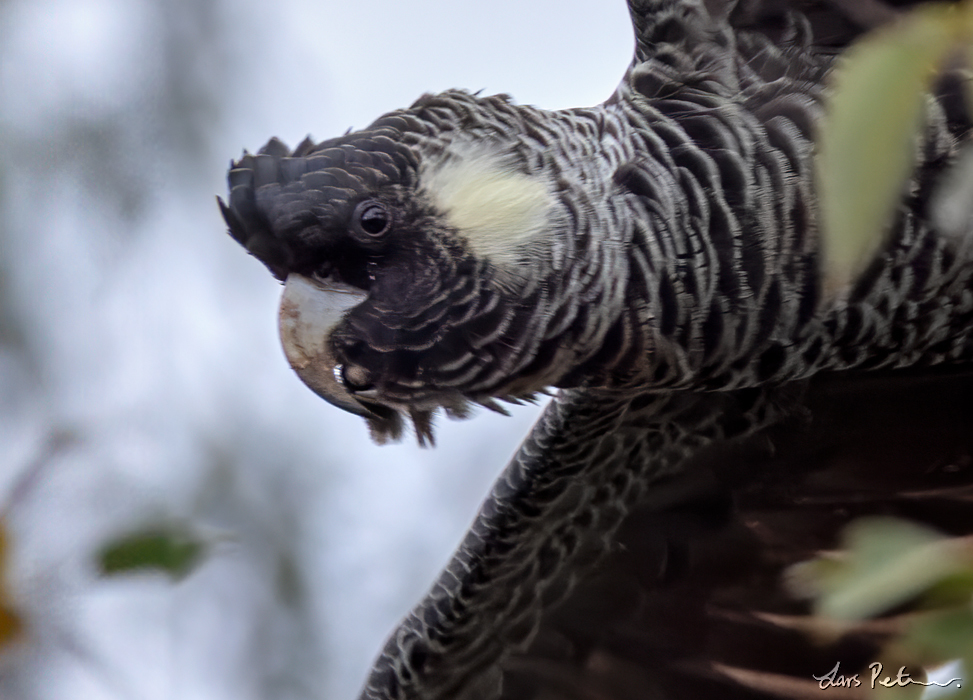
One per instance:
[(655, 258)]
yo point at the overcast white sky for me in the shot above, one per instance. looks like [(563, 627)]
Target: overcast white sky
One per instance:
[(134, 322)]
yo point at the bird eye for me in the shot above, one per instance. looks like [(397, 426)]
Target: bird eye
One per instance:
[(373, 218)]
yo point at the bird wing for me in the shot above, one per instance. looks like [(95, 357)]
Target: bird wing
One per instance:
[(552, 515), (691, 601), (635, 545), (833, 23)]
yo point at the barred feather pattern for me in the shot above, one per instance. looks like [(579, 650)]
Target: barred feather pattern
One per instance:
[(675, 298), (692, 216), (550, 517), (700, 253), (683, 250)]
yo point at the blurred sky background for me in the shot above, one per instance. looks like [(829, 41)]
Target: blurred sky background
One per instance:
[(141, 380)]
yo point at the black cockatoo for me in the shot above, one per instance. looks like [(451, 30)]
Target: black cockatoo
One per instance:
[(655, 260)]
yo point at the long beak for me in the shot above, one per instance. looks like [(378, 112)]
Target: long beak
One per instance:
[(309, 311)]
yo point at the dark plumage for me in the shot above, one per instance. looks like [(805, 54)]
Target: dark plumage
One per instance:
[(691, 602), (656, 258)]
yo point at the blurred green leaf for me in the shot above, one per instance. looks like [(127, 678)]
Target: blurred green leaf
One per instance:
[(172, 551), (940, 636), (954, 589), (868, 140), (888, 562), (812, 579)]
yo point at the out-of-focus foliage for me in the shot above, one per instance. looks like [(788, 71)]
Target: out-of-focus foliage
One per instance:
[(869, 136), (868, 143), (882, 565), (170, 550), (11, 623)]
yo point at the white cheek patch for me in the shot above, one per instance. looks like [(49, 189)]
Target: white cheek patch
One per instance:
[(497, 209)]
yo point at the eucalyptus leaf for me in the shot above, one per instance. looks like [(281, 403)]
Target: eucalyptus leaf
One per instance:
[(868, 141), (888, 562), (172, 551), (940, 636)]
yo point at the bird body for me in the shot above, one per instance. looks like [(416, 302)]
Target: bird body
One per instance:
[(656, 258)]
